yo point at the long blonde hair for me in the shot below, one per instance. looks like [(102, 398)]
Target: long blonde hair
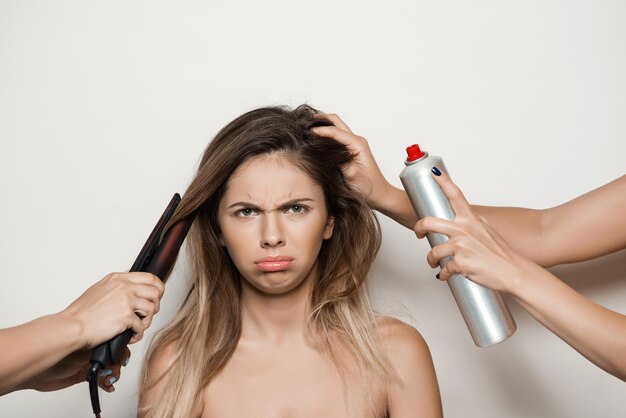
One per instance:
[(206, 329)]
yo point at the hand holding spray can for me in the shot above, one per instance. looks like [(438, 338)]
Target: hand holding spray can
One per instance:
[(485, 313)]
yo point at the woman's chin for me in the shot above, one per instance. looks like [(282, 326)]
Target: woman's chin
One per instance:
[(276, 283)]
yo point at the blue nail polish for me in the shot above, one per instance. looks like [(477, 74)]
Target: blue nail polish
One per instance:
[(106, 372), (436, 171), (126, 361), (112, 380)]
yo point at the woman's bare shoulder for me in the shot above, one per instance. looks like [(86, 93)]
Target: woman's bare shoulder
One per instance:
[(154, 379), (400, 337), (416, 389), (160, 360)]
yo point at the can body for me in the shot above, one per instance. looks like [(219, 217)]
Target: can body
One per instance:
[(485, 312)]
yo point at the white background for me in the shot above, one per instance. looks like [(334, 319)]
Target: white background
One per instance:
[(106, 106)]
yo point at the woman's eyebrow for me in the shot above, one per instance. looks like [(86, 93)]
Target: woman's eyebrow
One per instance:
[(288, 203), (296, 201)]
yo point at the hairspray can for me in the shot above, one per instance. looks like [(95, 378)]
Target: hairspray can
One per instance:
[(485, 313)]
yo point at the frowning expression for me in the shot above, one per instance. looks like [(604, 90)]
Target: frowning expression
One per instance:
[(273, 220)]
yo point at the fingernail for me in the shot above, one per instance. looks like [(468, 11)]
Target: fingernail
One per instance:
[(437, 276), (112, 380), (106, 372), (126, 361), (436, 171)]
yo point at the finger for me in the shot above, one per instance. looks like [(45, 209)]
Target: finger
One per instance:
[(103, 378), (337, 121), (149, 293), (125, 357), (112, 373), (147, 321), (493, 233), (332, 132), (136, 337), (436, 225), (137, 326), (448, 271), (459, 204), (107, 381), (438, 253), (144, 278), (143, 307)]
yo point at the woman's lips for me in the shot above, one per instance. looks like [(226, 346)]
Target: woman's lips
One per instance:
[(270, 264)]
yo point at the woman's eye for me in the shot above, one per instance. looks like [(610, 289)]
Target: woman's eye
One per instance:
[(245, 212), (297, 209)]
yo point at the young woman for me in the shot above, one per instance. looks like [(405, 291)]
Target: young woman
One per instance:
[(277, 321)]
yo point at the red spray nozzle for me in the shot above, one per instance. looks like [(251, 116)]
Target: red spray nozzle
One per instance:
[(414, 153)]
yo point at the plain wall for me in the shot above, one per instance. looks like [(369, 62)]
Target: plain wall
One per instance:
[(106, 106)]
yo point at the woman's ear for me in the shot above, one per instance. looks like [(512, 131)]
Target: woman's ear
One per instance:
[(328, 230), (221, 240)]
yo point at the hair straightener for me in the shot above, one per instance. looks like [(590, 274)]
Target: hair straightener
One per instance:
[(156, 257)]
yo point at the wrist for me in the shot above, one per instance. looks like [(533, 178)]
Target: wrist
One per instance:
[(383, 201), (28, 384), (395, 203), (73, 328), (524, 280)]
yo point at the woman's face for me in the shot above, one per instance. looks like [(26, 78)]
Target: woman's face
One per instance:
[(273, 219)]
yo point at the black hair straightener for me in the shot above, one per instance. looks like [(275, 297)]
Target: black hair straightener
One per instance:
[(156, 257)]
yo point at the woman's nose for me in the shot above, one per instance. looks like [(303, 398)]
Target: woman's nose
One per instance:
[(271, 231)]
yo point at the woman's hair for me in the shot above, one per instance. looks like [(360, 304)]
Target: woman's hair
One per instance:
[(204, 333)]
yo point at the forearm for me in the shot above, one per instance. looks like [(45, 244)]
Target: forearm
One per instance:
[(597, 333), (31, 348), (521, 228), (395, 204), (586, 227)]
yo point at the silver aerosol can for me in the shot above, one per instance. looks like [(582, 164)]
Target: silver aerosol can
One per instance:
[(484, 310)]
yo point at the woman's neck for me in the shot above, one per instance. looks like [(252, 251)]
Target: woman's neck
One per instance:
[(277, 318)]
